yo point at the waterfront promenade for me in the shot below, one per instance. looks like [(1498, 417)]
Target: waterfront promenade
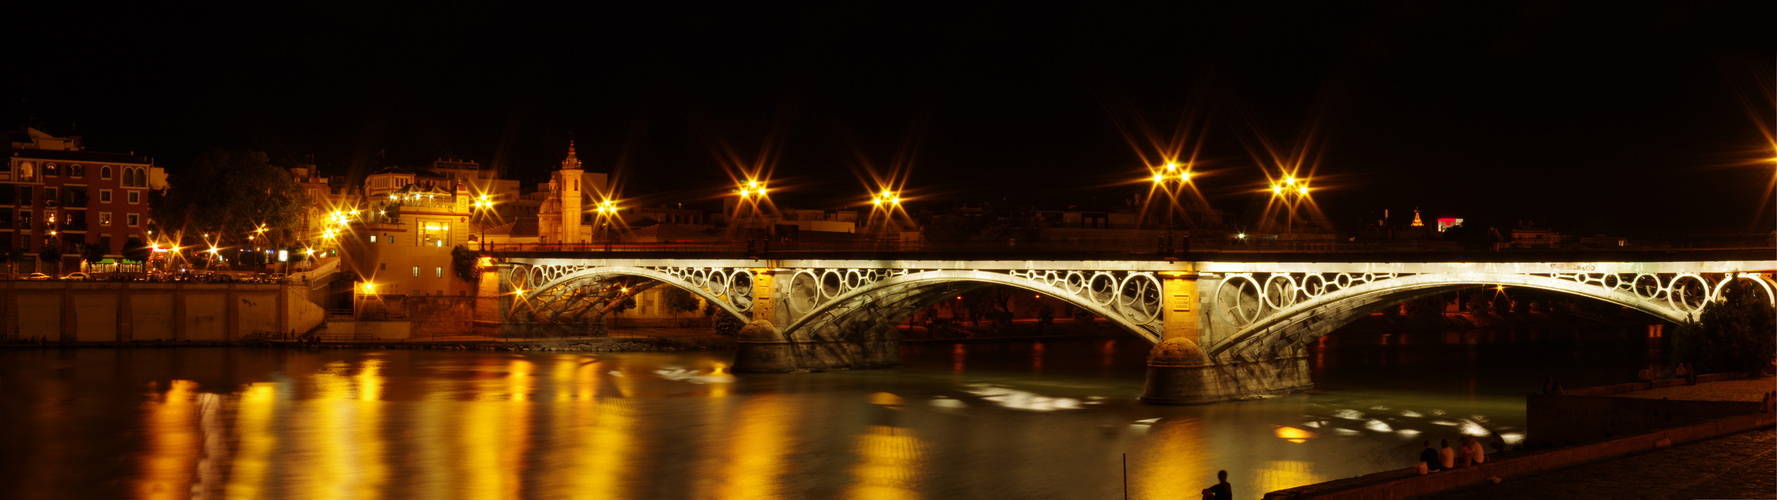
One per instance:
[(1735, 458), (1737, 466), (1742, 465)]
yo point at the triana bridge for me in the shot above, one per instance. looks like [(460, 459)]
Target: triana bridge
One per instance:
[(1232, 327)]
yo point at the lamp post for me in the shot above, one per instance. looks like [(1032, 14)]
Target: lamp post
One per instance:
[(888, 202), (481, 208), (606, 210), (1171, 178), (1292, 192), (751, 194)]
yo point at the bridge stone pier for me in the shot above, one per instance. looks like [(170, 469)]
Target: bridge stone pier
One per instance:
[(1222, 330)]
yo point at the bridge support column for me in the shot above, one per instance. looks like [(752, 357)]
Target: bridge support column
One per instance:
[(1180, 372), (856, 338), (760, 347)]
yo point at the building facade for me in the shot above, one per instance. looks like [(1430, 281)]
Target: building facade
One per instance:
[(55, 192)]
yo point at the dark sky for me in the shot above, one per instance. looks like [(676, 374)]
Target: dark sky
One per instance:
[(1577, 116)]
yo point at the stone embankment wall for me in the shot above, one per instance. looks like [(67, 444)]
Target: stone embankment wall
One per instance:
[(125, 311)]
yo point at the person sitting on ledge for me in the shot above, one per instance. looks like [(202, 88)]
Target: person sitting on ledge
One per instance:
[(1429, 461), (1222, 490), (1446, 456)]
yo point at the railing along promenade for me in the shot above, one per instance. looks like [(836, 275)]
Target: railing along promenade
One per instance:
[(1758, 247)]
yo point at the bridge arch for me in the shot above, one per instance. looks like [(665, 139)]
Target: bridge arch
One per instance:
[(723, 288), (1292, 324), (903, 295)]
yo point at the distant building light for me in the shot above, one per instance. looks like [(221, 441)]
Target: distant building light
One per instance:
[(1447, 223)]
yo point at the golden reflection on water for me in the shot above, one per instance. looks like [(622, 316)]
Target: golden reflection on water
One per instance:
[(599, 446), (372, 456), (173, 443), (1173, 461), (889, 462), (1293, 434), (343, 431), (253, 423), (758, 446), (1280, 474)]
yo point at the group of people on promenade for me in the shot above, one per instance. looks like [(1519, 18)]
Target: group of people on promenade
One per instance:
[(1468, 453)]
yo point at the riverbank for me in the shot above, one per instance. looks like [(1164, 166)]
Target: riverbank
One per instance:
[(1526, 465), (1736, 466)]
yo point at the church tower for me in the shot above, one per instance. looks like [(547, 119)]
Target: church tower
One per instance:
[(571, 196)]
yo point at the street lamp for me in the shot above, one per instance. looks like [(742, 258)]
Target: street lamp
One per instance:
[(606, 210), (1292, 191), (753, 188), (1171, 178), (482, 205), (887, 201)]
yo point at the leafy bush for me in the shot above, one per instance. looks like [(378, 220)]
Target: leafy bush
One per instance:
[(1735, 333)]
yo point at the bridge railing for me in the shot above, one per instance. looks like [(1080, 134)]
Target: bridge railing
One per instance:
[(1154, 246)]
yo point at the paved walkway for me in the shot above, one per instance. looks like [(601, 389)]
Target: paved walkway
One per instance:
[(1738, 466), (1752, 389)]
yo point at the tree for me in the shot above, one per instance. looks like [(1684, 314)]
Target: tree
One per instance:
[(16, 255), (134, 249), (1428, 308), (465, 263), (236, 192), (1736, 332), (725, 324), (53, 255), (679, 300), (93, 253)]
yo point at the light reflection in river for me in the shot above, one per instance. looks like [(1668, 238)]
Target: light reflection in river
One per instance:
[(958, 421), (170, 422)]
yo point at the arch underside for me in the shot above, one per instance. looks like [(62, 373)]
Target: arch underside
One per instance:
[(571, 294), (879, 306), (1286, 328)]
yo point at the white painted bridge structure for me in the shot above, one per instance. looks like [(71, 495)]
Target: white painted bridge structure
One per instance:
[(1222, 329)]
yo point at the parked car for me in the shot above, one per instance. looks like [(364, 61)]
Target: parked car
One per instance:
[(39, 277), (77, 276)]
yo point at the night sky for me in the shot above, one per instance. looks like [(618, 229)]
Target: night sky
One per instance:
[(1576, 117)]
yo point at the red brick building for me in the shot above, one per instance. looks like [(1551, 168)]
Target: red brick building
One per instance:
[(53, 191)]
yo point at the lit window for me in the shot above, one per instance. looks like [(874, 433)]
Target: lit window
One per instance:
[(416, 271), (438, 272), (104, 218), (373, 238)]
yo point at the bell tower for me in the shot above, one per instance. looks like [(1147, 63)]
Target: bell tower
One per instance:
[(571, 195)]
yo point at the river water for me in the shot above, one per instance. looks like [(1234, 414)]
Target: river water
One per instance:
[(1054, 419)]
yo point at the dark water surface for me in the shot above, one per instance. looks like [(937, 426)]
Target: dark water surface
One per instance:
[(1014, 420)]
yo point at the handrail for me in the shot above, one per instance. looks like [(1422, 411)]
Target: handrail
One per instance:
[(1144, 246)]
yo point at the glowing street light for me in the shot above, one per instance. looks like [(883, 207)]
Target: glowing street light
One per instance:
[(1292, 193), (1171, 177), (887, 197), (753, 188)]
